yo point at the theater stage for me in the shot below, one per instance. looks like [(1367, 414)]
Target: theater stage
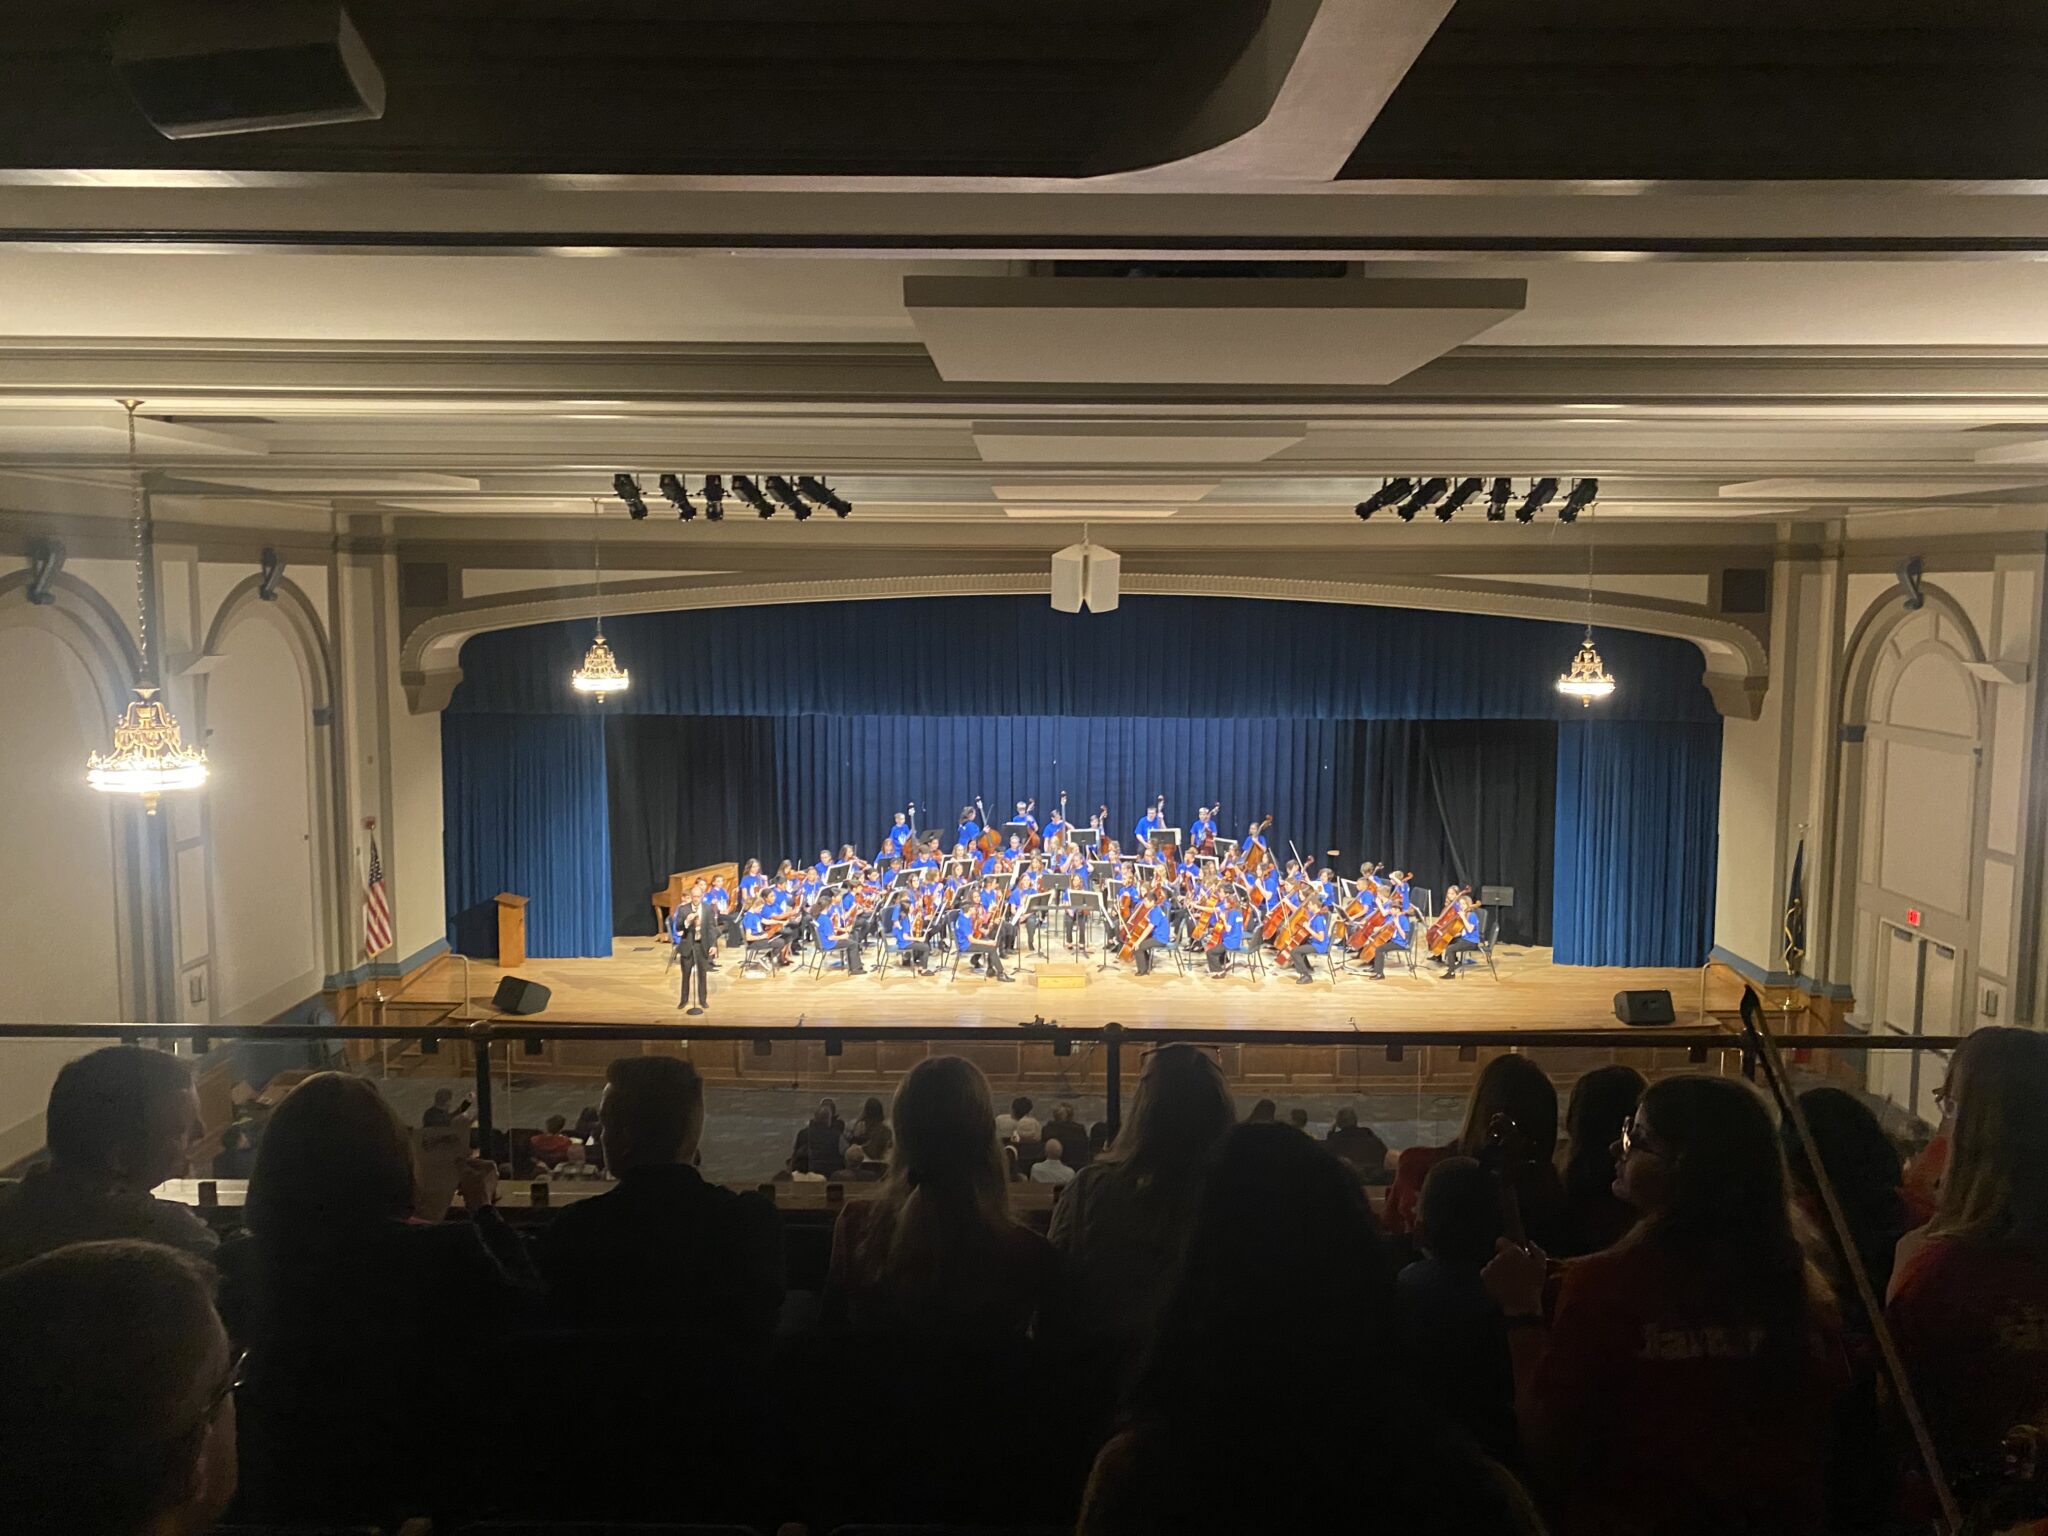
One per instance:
[(634, 986)]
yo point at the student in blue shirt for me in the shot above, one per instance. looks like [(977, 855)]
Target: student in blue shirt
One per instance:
[(963, 940), (1203, 829), (1467, 941), (1317, 943), (898, 838), (1153, 819), (968, 830), (910, 951), (835, 935), (752, 880), (1232, 942), (1158, 934)]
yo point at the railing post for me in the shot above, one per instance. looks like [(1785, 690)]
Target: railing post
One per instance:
[(1748, 1058), (1113, 1078), (480, 1041)]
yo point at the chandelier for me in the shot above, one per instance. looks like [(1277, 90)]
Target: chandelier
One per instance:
[(149, 758), (600, 675), (1587, 678)]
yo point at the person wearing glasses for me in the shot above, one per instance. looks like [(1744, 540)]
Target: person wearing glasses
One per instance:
[(119, 1413), (1703, 1341)]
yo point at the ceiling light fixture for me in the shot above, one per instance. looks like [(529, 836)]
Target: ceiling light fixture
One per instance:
[(149, 757), (714, 498), (678, 496), (824, 495), (1581, 497), (600, 676), (780, 488), (1461, 493), (1425, 493), (1540, 492), (628, 490), (1390, 491), (1587, 678), (1498, 494), (750, 493)]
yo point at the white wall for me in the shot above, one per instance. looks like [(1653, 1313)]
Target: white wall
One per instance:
[(57, 945), (266, 919)]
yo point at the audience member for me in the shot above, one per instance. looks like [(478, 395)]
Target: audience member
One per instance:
[(1298, 1118), (589, 1125), (1595, 1217), (1457, 1338), (662, 1246), (237, 1155), (871, 1131), (1070, 1134), (118, 1411), (1019, 1125), (1510, 1124), (823, 1141), (1358, 1145), (859, 1169), (1283, 1263), (937, 1249), (1688, 1376), (798, 1170), (1265, 1112), (1969, 1304), (1049, 1169), (1924, 1171), (351, 1307), (1119, 1226), (443, 1110), (1098, 1139), (551, 1146), (120, 1121), (1863, 1166)]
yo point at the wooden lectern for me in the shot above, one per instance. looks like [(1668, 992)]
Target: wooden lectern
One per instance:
[(511, 930)]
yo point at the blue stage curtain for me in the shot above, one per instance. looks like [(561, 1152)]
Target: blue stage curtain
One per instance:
[(1637, 829), (524, 811), (843, 778), (1154, 657)]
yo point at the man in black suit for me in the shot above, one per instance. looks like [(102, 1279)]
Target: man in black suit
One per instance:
[(693, 927), (663, 1244)]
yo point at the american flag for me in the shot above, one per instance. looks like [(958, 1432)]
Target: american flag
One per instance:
[(376, 909)]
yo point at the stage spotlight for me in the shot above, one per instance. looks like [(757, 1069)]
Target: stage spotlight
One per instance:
[(1461, 493), (750, 493), (1425, 493), (824, 495), (714, 498), (1498, 495), (780, 488), (1390, 491), (678, 497), (1540, 492), (1581, 497), (629, 492)]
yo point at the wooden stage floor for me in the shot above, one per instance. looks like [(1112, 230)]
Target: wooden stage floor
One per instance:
[(1531, 993)]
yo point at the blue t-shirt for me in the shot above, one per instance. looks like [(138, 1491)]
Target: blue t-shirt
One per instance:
[(1233, 928), (1162, 923)]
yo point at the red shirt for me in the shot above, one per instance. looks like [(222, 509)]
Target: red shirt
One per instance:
[(1655, 1414), (1971, 1319)]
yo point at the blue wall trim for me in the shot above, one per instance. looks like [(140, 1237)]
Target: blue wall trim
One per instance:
[(372, 968), (1750, 971)]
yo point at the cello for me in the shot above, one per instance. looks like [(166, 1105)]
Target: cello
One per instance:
[(1449, 924), (1139, 923)]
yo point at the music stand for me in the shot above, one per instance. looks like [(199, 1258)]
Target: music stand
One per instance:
[(1017, 829), (1037, 905), (1163, 838), (1084, 903), (839, 874), (902, 880), (1225, 847), (1099, 871), (1084, 838)]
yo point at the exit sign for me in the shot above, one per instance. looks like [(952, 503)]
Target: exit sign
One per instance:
[(1912, 917)]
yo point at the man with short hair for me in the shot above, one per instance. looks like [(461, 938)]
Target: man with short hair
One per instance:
[(859, 1169), (664, 1244), (1070, 1134), (119, 1412), (1358, 1145), (1049, 1169), (120, 1121)]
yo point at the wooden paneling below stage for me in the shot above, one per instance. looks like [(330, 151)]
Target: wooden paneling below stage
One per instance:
[(1530, 995)]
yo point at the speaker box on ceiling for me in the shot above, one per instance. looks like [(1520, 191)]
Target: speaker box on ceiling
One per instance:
[(1643, 1008), (201, 67), (1069, 571), (516, 994), (1105, 577)]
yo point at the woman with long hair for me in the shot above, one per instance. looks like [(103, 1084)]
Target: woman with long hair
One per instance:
[(1595, 1217), (1969, 1307), (1119, 1226), (348, 1304), (1261, 1402), (1703, 1342), (1510, 1127), (937, 1249)]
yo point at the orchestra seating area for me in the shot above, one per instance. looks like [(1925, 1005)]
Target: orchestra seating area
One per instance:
[(1222, 1323)]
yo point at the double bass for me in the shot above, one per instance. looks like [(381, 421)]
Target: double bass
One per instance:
[(1256, 856), (990, 840)]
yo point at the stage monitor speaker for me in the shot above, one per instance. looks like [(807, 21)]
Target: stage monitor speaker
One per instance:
[(516, 994), (1643, 1008)]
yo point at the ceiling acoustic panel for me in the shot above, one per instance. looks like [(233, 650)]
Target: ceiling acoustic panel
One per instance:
[(1134, 444), (1340, 332)]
